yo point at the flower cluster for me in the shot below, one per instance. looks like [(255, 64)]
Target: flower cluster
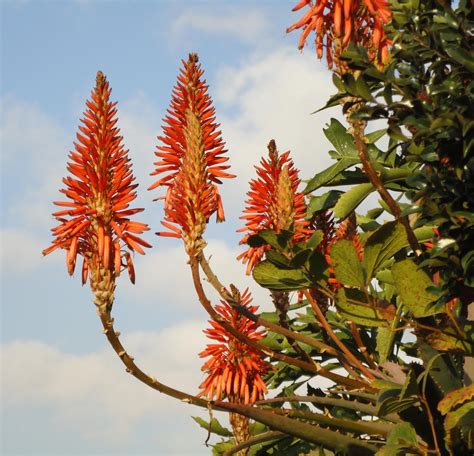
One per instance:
[(234, 369), (191, 160), (337, 23), (274, 203), (95, 220)]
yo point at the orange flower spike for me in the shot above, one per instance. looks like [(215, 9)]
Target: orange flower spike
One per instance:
[(99, 190), (234, 369), (191, 160), (274, 203), (336, 23)]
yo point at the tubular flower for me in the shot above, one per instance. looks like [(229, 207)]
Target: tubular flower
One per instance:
[(94, 222), (337, 23), (191, 160), (274, 203), (234, 369)]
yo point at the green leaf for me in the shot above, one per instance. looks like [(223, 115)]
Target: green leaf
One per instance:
[(401, 439), (267, 275), (462, 416), (323, 202), (374, 136), (382, 245), (410, 388), (385, 337), (352, 305), (389, 402), (411, 283), (351, 199), (215, 427), (346, 264), (342, 141), (440, 368), (278, 241), (450, 341), (330, 173)]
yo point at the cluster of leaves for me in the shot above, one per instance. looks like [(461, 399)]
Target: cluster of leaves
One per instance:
[(400, 312)]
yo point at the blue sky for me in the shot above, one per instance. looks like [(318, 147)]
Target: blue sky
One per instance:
[(63, 391)]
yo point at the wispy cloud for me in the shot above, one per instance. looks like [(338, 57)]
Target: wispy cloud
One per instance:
[(245, 24)]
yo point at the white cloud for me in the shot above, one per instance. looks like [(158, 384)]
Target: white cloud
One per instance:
[(20, 251), (165, 275), (34, 150), (271, 97), (246, 25), (93, 394)]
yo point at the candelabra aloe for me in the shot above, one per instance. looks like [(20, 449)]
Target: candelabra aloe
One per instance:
[(370, 293)]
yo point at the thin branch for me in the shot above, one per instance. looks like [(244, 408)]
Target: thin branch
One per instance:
[(314, 368), (264, 437), (219, 287), (324, 323), (374, 178), (362, 347)]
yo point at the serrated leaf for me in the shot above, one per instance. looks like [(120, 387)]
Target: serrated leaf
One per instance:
[(349, 201), (410, 388), (440, 368), (345, 262), (267, 275), (382, 245), (323, 202), (455, 397), (411, 283), (215, 427), (462, 416)]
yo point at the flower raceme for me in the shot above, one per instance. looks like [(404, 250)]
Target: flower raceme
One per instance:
[(337, 23), (191, 160), (95, 220), (234, 369), (274, 203)]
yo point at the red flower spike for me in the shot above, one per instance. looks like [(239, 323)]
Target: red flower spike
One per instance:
[(191, 160), (336, 23), (274, 203), (234, 369), (95, 222)]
